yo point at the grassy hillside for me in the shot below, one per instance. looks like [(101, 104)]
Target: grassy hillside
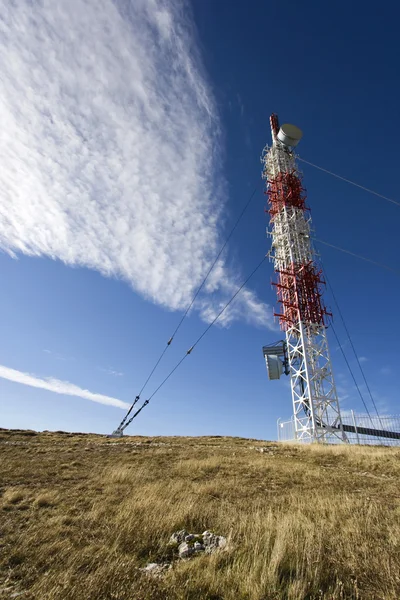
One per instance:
[(80, 514)]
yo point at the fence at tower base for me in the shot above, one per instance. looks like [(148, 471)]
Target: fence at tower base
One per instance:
[(359, 429)]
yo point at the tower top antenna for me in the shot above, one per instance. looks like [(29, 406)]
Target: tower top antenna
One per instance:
[(290, 135)]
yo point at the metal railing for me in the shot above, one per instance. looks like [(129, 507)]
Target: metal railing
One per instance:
[(359, 428)]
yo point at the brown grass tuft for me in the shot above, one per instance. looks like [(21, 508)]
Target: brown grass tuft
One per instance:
[(45, 500), (13, 496)]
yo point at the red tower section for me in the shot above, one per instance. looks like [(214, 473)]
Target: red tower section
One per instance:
[(299, 280)]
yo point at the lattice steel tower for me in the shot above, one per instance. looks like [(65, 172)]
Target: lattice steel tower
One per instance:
[(305, 353)]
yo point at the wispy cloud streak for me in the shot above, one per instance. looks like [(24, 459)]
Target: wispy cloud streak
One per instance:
[(59, 387), (110, 147), (110, 371)]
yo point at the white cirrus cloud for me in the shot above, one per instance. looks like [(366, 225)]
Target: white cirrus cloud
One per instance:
[(109, 147), (59, 387), (111, 371)]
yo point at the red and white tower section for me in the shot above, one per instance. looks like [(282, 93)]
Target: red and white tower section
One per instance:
[(298, 284)]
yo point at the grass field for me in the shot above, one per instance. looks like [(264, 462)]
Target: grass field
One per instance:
[(80, 514)]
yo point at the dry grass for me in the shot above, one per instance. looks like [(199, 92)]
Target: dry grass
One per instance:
[(81, 514), (46, 500), (12, 496)]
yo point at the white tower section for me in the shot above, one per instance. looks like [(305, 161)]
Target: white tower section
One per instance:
[(303, 317)]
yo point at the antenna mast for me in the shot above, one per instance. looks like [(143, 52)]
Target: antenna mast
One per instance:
[(298, 284)]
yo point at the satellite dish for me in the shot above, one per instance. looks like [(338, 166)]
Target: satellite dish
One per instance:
[(290, 135)]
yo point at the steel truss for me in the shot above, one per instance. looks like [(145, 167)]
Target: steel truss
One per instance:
[(299, 289), (315, 402)]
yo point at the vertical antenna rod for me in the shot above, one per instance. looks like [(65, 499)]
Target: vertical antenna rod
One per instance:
[(298, 284)]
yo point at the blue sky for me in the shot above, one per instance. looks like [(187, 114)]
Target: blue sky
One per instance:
[(131, 139)]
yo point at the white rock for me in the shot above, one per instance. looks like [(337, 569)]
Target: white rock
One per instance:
[(221, 541), (185, 550), (155, 569), (189, 538), (213, 542), (151, 567), (198, 547), (178, 536)]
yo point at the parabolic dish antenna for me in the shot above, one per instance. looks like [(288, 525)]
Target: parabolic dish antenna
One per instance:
[(290, 135)]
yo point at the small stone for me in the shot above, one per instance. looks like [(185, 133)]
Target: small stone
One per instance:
[(185, 550), (221, 541), (155, 569), (151, 567), (189, 538), (198, 547), (178, 536), (213, 542)]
